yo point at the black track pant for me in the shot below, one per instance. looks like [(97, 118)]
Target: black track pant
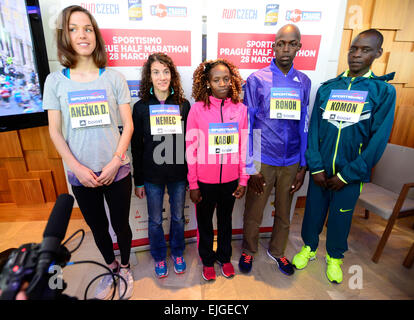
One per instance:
[(118, 198), (215, 196)]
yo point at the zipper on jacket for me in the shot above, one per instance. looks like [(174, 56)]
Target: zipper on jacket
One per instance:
[(339, 135), (221, 156), (361, 184)]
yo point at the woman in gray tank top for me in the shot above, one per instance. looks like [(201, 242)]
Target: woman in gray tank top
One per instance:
[(84, 101)]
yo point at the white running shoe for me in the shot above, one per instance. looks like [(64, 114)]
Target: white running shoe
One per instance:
[(126, 273), (105, 288)]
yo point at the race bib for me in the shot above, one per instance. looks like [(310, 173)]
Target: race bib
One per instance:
[(165, 119), (345, 105), (223, 138), (88, 108), (285, 103)]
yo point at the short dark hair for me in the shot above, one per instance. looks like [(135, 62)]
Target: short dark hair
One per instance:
[(66, 54), (375, 33)]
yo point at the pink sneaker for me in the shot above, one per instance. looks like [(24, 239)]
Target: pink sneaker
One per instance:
[(227, 269), (209, 274)]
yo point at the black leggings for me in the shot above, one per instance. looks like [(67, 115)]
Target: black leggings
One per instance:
[(118, 198), (219, 197)]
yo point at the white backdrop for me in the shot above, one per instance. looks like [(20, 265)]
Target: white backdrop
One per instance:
[(176, 27), (242, 31)]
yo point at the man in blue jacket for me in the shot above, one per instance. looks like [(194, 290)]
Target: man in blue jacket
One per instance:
[(277, 98), (349, 129)]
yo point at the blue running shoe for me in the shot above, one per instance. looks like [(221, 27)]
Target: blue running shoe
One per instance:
[(245, 263), (161, 270), (179, 264), (284, 264)]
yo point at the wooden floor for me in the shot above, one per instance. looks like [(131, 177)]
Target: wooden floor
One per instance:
[(388, 279)]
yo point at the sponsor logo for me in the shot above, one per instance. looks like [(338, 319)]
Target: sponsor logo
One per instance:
[(271, 15), (345, 210), (135, 10), (133, 86), (239, 14), (299, 15), (161, 10), (101, 8)]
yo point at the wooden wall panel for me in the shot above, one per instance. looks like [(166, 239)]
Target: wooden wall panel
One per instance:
[(4, 180), (35, 160), (403, 61), (346, 42), (10, 145), (389, 14), (394, 20), (403, 131), (16, 168), (59, 176), (28, 159), (407, 31), (30, 139), (26, 191), (46, 180), (47, 144), (6, 197), (359, 14)]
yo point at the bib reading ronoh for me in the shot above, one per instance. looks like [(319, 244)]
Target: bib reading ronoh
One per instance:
[(88, 108), (285, 103), (223, 138), (165, 119), (345, 105)]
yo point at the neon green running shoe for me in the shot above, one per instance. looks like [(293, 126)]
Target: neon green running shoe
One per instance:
[(300, 260), (333, 269)]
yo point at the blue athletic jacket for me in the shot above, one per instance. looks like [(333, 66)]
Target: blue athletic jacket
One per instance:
[(283, 142), (347, 149)]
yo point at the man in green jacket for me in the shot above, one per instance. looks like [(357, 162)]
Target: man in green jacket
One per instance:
[(349, 129)]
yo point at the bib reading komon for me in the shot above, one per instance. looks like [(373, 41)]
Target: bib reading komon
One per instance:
[(88, 108), (223, 138), (345, 105)]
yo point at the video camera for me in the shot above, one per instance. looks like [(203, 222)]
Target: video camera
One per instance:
[(31, 262)]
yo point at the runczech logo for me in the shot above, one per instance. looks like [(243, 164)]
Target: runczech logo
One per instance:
[(239, 14)]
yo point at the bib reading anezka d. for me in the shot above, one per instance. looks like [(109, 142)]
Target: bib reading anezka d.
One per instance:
[(165, 119), (345, 105), (285, 103), (88, 108), (223, 138)]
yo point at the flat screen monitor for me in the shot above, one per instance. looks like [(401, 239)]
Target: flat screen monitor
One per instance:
[(23, 65)]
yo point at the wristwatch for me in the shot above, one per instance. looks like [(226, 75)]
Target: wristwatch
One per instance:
[(121, 156), (303, 167)]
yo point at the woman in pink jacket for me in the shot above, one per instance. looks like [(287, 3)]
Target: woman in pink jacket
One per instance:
[(216, 140)]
